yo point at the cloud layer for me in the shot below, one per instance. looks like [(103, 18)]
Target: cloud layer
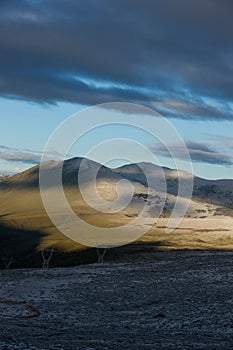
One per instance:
[(199, 152), (174, 56), (27, 156)]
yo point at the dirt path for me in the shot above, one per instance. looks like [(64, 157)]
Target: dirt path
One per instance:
[(161, 300)]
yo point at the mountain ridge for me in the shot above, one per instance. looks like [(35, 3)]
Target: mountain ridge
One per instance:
[(219, 192), (25, 227)]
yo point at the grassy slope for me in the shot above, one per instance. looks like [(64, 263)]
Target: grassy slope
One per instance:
[(25, 227)]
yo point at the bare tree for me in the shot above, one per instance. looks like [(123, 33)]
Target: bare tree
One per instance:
[(100, 254), (7, 261), (47, 256)]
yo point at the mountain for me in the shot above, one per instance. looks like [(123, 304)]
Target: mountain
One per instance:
[(3, 177), (218, 192), (209, 196), (25, 227)]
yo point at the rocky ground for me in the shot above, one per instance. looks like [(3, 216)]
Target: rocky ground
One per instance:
[(159, 300)]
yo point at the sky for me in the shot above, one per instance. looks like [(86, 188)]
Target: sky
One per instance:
[(175, 57)]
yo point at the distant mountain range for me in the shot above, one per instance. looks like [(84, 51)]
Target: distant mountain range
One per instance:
[(218, 193), (3, 177)]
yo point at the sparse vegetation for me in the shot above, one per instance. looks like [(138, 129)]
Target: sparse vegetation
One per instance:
[(100, 254), (174, 298), (7, 261), (46, 256)]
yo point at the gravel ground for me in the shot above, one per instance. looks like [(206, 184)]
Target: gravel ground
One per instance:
[(161, 300)]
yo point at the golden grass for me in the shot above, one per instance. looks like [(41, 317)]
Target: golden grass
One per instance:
[(23, 210)]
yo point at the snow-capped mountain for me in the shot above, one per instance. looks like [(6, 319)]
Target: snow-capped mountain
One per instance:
[(219, 192), (3, 177)]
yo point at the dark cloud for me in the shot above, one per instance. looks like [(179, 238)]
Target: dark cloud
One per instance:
[(21, 157), (199, 152), (222, 141), (149, 52), (2, 147), (28, 156)]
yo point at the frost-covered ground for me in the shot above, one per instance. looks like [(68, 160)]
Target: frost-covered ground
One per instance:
[(159, 300)]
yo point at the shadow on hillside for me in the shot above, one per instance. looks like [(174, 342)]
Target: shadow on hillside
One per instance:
[(18, 243), (22, 245), (89, 255), (135, 248)]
